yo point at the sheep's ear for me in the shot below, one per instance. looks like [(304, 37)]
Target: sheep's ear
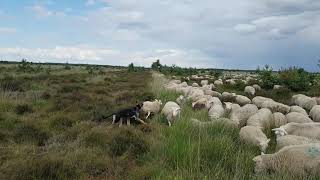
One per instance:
[(257, 159), (262, 153), (194, 103)]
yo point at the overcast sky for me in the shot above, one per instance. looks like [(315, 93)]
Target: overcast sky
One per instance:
[(241, 34)]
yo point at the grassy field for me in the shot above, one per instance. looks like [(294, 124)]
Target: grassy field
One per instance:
[(51, 127)]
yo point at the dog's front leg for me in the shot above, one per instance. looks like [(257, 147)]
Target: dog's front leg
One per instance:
[(113, 119), (128, 122), (120, 123)]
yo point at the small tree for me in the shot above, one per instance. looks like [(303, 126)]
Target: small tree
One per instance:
[(297, 79), (131, 68)]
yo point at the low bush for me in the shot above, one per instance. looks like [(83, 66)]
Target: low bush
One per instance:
[(297, 79), (23, 108), (28, 133)]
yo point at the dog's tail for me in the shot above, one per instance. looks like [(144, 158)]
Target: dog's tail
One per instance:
[(105, 117)]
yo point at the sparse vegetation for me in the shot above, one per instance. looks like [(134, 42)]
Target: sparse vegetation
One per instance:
[(52, 126)]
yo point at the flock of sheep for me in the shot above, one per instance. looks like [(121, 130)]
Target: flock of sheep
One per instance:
[(297, 127)]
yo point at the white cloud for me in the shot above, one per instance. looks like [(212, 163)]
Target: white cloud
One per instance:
[(105, 56), (42, 12), (90, 2), (7, 30), (245, 28)]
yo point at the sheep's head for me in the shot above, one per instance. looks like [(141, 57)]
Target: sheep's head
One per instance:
[(280, 131), (176, 112), (264, 145), (260, 166)]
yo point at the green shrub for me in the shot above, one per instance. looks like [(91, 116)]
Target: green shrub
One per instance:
[(61, 122), (8, 83), (128, 141), (297, 79), (268, 78), (28, 133), (23, 108)]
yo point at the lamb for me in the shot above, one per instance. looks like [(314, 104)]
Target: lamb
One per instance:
[(242, 100), (298, 118), (309, 130), (242, 114), (275, 106), (289, 140), (249, 90), (259, 100), (181, 100), (279, 119), (204, 82), (296, 159), (151, 107), (228, 97), (304, 101), (298, 109), (216, 112), (254, 135), (315, 113), (263, 119), (171, 111), (256, 87)]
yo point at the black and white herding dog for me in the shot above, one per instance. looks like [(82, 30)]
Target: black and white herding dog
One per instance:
[(127, 114)]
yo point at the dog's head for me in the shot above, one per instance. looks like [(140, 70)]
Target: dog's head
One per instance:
[(139, 105)]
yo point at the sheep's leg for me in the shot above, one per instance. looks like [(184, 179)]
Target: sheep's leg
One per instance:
[(113, 119), (169, 123), (148, 114), (138, 119), (120, 123)]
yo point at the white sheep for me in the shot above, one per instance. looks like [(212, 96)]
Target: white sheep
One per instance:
[(304, 101), (216, 111), (263, 119), (277, 87), (249, 90), (196, 94), (242, 114), (276, 107), (204, 82), (297, 160), (290, 140), (256, 87), (200, 103), (298, 118), (279, 119), (213, 93), (151, 107), (298, 109), (317, 100), (229, 107), (218, 82), (228, 97), (195, 84), (309, 130), (254, 135), (171, 111), (315, 113), (181, 100), (242, 100), (259, 100)]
